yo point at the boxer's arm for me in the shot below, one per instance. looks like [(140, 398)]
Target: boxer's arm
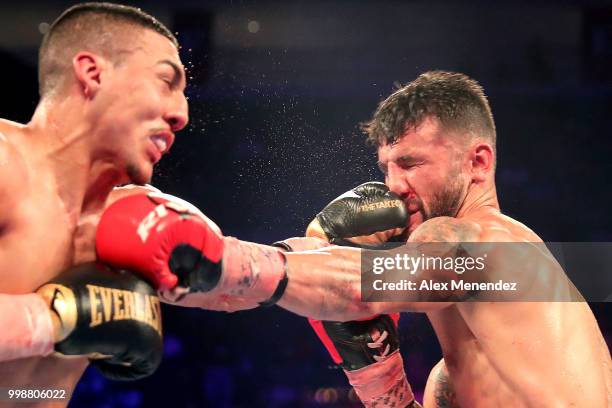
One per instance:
[(439, 391), (326, 284), (161, 237), (28, 328)]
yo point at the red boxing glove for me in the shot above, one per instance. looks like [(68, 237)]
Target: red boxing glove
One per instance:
[(163, 238), (172, 244)]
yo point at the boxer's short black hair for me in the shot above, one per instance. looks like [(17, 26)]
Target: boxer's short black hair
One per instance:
[(456, 100), (96, 27)]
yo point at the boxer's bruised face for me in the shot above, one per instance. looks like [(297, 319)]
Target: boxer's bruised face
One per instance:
[(425, 168), (140, 105)]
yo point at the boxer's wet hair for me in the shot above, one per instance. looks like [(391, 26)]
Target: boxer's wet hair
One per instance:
[(103, 28), (456, 100)]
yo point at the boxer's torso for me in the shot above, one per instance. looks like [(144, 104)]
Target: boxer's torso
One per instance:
[(529, 354), (37, 244)]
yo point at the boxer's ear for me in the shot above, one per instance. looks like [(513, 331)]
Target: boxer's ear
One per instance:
[(482, 161), (87, 70)]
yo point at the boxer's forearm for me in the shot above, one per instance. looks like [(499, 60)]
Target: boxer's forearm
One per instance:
[(322, 282), (326, 285)]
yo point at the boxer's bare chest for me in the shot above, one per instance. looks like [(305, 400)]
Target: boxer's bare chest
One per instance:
[(468, 362)]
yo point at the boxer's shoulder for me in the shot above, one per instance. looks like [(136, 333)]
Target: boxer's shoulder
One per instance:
[(502, 228), (11, 135), (8, 127), (447, 229)]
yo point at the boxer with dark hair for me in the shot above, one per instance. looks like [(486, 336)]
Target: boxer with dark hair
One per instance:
[(436, 148), (112, 97)]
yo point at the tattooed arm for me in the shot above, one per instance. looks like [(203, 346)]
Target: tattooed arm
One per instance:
[(439, 392), (326, 284)]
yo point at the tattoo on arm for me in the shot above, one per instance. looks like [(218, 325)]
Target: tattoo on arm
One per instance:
[(444, 393), (434, 234), (445, 229)]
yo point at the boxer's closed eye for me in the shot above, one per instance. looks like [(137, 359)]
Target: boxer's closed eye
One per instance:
[(383, 168)]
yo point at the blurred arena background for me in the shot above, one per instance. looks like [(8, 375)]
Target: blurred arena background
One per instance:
[(277, 90)]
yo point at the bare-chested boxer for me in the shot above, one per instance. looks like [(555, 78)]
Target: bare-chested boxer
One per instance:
[(112, 97), (436, 146)]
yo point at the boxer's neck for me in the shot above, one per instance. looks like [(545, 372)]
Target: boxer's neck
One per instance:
[(480, 197), (65, 140)]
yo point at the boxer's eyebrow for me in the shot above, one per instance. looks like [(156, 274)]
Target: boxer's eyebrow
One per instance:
[(179, 74), (403, 161), (406, 160)]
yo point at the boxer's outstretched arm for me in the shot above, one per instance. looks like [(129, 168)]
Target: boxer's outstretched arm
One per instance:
[(160, 236), (326, 284)]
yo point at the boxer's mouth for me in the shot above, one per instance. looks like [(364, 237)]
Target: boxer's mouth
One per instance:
[(412, 206), (163, 141)]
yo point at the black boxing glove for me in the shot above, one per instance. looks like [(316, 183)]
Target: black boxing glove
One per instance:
[(113, 317), (368, 349), (359, 343), (369, 214)]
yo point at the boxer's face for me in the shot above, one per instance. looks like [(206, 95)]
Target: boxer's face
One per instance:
[(141, 104), (425, 168)]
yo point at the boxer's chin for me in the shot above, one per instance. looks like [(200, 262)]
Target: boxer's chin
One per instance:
[(138, 175)]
